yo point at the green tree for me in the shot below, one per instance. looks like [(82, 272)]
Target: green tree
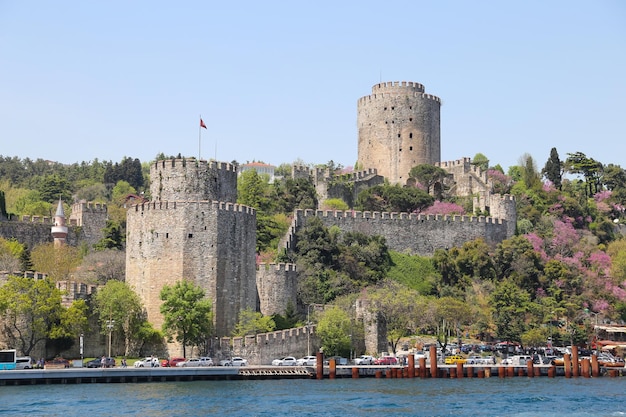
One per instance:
[(427, 175), (116, 304), (393, 198), (253, 190), (333, 329), (510, 305), (113, 237), (32, 313), (553, 170), (579, 163), (73, 321), (52, 187), (186, 313), (291, 194), (529, 171), (399, 308), (481, 161), (252, 322), (57, 262)]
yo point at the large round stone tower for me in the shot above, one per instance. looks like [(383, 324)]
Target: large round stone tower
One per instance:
[(399, 127), (193, 230)]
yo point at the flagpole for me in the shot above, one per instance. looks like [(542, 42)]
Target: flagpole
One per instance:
[(199, 137)]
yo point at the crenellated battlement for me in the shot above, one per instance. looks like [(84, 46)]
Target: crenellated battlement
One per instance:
[(202, 164), (280, 267), (377, 215), (197, 205), (36, 219), (418, 233), (89, 207), (463, 162), (394, 86), (366, 100), (192, 179)]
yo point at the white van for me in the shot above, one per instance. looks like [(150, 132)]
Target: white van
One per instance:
[(23, 362), (517, 360)]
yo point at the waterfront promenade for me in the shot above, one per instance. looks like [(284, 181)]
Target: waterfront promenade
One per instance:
[(142, 375)]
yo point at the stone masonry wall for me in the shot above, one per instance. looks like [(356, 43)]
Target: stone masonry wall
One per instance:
[(263, 348), (277, 285), (33, 232), (210, 243), (418, 234), (193, 180), (398, 128), (91, 218)]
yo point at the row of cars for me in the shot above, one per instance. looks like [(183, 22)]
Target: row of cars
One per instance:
[(292, 361), (152, 362)]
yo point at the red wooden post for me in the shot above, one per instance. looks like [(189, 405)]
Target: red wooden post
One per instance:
[(568, 365), (332, 371), (433, 361), (319, 365), (411, 366)]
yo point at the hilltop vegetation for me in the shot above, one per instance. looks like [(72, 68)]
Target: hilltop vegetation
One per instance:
[(565, 268)]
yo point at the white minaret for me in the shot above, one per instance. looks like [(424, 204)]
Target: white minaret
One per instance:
[(59, 230)]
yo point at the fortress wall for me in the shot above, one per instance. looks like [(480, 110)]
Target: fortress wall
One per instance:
[(469, 179), (419, 234), (277, 285), (91, 218), (263, 348), (193, 180), (36, 233), (211, 243)]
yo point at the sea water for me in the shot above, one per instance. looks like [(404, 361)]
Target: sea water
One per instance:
[(519, 396)]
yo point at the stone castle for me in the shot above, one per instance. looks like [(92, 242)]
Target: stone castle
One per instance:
[(193, 229)]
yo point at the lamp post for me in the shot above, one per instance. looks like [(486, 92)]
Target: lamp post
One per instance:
[(595, 328), (110, 324), (308, 330)]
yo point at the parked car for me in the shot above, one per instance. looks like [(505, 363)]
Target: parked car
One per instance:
[(517, 360), (386, 360), (59, 362), (97, 363), (148, 362), (235, 361), (307, 361), (286, 361), (171, 362), (203, 361), (24, 362), (453, 359), (339, 360), (364, 360)]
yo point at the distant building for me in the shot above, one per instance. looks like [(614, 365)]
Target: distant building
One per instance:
[(260, 168)]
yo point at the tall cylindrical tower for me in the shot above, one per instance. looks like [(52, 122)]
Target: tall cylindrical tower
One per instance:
[(399, 127)]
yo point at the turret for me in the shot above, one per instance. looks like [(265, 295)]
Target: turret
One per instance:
[(59, 230)]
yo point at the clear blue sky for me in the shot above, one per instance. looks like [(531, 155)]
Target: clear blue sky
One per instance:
[(278, 81)]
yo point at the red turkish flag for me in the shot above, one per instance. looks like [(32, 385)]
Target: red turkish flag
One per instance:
[(202, 123)]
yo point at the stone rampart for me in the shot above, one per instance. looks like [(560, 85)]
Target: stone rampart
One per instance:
[(91, 218), (262, 348), (277, 285), (33, 231), (193, 180), (417, 233)]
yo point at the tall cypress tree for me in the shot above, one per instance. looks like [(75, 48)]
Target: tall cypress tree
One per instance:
[(552, 170)]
